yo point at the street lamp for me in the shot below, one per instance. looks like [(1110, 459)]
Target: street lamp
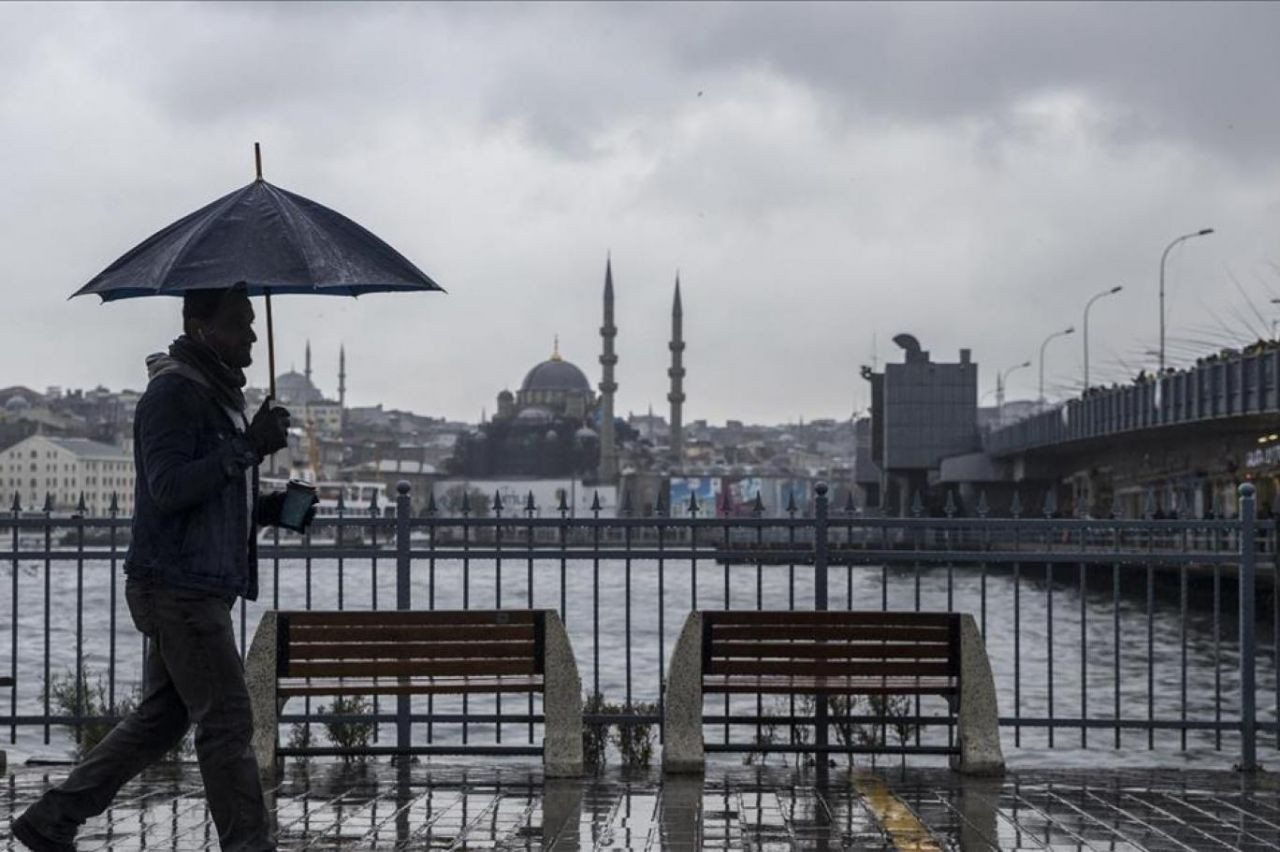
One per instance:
[(1063, 333), (1002, 382), (1203, 232), (1274, 321), (1087, 306)]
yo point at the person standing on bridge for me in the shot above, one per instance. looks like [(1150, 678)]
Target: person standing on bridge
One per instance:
[(192, 553)]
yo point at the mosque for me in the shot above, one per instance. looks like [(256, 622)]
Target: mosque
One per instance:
[(556, 425), (298, 393)]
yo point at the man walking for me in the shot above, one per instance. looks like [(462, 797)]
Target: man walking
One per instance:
[(192, 553)]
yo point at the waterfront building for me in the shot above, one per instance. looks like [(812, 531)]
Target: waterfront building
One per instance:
[(64, 469)]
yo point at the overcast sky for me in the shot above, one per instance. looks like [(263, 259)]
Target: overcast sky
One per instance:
[(823, 177)]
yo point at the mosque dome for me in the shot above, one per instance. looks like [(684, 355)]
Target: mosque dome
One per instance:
[(556, 374), (296, 388), (16, 403), (535, 414)]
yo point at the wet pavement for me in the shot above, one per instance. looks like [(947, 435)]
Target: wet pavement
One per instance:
[(378, 806)]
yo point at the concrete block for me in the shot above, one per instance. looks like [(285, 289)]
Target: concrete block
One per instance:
[(979, 716), (260, 677), (682, 750), (561, 703)]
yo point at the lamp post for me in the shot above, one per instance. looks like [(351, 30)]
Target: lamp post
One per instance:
[(1203, 232), (1274, 321), (1087, 306), (1002, 382), (1063, 333)]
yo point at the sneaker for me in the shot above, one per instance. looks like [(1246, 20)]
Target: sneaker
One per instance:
[(34, 840)]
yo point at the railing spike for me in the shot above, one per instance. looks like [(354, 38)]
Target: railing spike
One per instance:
[(466, 502), (48, 502), (1015, 505), (983, 508), (849, 507), (595, 502), (17, 502), (1050, 502), (81, 508), (342, 501), (757, 508), (791, 502), (373, 505), (431, 503), (726, 504), (660, 507), (917, 505), (529, 505), (497, 502), (626, 503), (950, 508), (115, 503), (1148, 504), (563, 508), (693, 503)]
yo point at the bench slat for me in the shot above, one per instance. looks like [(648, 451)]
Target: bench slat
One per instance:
[(844, 650), (412, 617), (448, 686), (422, 633), (6, 681), (411, 668), (827, 617), (826, 668), (840, 685), (846, 634), (523, 649)]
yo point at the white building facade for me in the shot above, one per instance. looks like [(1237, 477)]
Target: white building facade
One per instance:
[(65, 468)]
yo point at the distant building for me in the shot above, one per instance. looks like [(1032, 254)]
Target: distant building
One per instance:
[(922, 412), (64, 469)]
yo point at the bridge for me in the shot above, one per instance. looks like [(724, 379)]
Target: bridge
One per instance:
[(1239, 394)]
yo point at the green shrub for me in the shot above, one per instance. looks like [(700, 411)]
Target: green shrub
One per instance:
[(92, 698), (353, 735), (595, 734), (634, 739)]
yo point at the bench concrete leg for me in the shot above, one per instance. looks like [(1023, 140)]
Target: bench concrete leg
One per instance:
[(979, 716), (260, 676), (561, 703), (682, 750)]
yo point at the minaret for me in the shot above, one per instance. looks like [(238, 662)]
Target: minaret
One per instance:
[(307, 371), (342, 387), (608, 450), (676, 397)]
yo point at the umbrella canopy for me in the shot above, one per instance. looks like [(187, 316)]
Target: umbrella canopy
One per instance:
[(269, 238)]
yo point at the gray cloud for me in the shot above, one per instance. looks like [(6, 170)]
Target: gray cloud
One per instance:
[(821, 174)]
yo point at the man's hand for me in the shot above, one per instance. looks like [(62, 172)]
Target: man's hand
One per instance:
[(269, 431)]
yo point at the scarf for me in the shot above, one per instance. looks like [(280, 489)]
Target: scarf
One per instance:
[(226, 382)]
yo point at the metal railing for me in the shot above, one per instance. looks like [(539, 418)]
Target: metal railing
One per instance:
[(1125, 626)]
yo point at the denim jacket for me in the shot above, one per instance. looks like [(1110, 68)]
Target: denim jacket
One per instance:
[(192, 528)]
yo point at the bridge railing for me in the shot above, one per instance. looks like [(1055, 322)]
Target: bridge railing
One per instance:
[(1241, 385), (1124, 628)]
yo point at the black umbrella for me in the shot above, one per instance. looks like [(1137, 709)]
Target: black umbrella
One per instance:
[(271, 240)]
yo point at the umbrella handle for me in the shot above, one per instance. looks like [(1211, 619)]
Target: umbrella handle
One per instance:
[(271, 345)]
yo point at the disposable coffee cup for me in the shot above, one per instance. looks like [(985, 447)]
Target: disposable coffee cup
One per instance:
[(298, 499)]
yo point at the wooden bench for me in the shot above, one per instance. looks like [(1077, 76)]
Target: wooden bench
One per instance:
[(453, 652), (4, 758), (832, 653)]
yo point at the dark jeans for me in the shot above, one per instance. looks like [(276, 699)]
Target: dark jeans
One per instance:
[(194, 676)]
